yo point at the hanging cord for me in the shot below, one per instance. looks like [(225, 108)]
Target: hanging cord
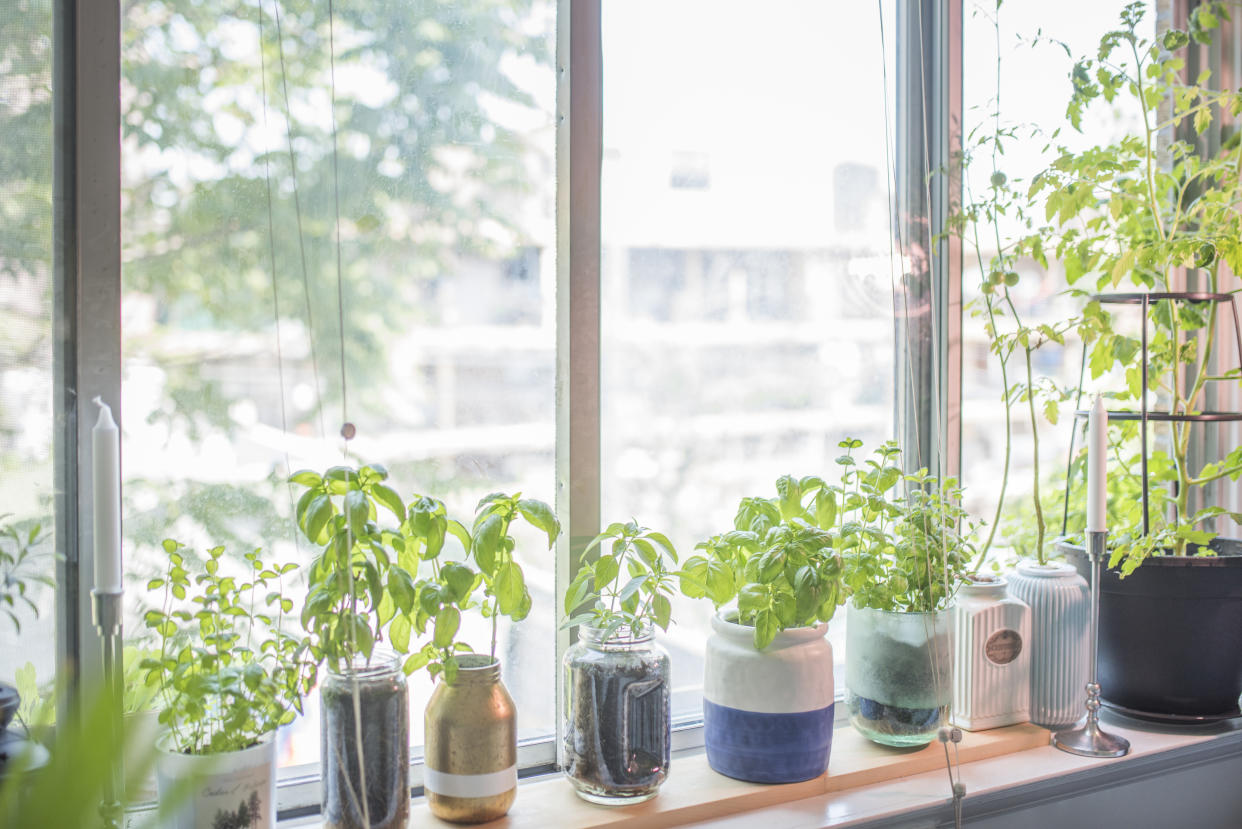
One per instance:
[(271, 248), (297, 212), (347, 429)]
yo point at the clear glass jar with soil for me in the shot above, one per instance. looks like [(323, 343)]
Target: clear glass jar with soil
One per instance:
[(365, 745), (617, 715), (898, 674)]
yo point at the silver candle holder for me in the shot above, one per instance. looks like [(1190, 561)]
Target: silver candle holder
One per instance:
[(106, 607), (1088, 739)]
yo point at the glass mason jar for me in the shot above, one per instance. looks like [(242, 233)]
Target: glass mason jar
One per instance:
[(617, 715), (470, 767), (364, 744), (898, 674)]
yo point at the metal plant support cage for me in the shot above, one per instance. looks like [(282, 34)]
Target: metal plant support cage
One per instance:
[(1145, 415)]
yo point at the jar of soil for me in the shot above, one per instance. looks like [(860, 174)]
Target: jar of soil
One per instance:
[(898, 674), (365, 745), (470, 760), (617, 715)]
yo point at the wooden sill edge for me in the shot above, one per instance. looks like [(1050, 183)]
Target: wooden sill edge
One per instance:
[(693, 792)]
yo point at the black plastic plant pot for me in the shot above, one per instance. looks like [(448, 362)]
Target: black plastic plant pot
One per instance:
[(365, 746), (1171, 635), (617, 717)]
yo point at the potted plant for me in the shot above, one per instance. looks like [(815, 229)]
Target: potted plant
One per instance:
[(617, 717), (768, 683), (1156, 218), (362, 574), (470, 723), (226, 677), (905, 554)]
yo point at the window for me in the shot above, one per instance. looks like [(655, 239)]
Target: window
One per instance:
[(27, 421), (746, 318), (742, 277), (231, 322)]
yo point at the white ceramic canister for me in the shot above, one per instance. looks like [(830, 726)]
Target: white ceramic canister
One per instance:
[(1060, 607), (226, 787), (991, 655), (768, 714)]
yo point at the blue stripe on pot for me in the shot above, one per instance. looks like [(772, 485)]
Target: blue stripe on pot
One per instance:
[(768, 715), (767, 748)]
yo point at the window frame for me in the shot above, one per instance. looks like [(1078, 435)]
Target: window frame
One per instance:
[(87, 296)]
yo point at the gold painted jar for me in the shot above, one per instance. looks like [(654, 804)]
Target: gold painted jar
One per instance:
[(470, 768)]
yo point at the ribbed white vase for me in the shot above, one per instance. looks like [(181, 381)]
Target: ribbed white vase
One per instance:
[(1060, 609), (991, 656)]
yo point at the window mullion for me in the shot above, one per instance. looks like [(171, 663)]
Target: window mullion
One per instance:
[(87, 291), (579, 150), (928, 326)]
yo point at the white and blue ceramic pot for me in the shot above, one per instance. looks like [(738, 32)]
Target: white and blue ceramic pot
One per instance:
[(1060, 609), (767, 715)]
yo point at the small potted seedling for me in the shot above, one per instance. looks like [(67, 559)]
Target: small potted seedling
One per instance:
[(355, 583), (470, 723), (226, 677), (617, 715)]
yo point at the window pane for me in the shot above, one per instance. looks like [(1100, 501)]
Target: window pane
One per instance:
[(747, 303), (27, 625), (232, 325)]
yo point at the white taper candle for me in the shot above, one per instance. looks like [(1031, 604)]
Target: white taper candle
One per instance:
[(106, 447), (1097, 467)]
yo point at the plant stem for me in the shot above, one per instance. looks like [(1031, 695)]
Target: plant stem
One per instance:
[(1039, 507)]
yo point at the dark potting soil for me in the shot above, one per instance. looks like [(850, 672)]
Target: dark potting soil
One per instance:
[(384, 717), (617, 739)]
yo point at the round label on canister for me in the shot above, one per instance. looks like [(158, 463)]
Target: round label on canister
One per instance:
[(1003, 647)]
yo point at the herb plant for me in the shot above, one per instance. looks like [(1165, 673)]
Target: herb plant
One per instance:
[(18, 543), (451, 587), (630, 585), (226, 672), (780, 561), (357, 568), (899, 533)]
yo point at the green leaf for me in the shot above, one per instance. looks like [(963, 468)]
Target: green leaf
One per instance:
[(766, 628), (486, 542), (318, 514), (460, 580), (357, 511), (825, 509), (401, 588), (661, 610), (661, 539), (510, 588), (399, 633), (721, 585), (389, 499), (606, 570), (540, 515), (306, 477), (447, 622)]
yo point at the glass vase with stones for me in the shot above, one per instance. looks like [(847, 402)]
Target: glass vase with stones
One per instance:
[(365, 745), (898, 674), (617, 715)]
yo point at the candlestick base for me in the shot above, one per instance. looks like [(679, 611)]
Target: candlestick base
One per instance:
[(1088, 740)]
